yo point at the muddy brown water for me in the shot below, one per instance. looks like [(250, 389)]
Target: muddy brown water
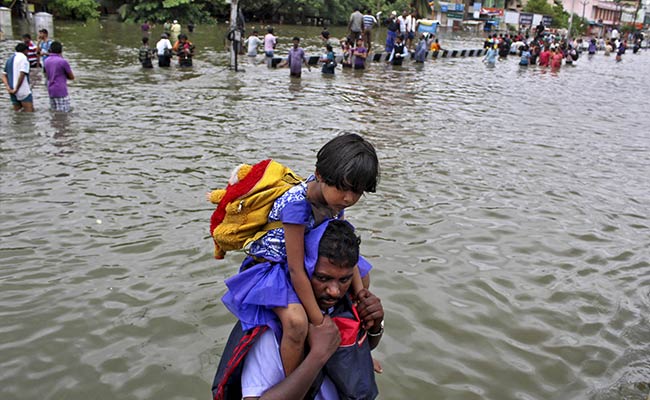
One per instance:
[(509, 233)]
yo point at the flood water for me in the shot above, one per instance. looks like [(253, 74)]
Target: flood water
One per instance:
[(510, 233)]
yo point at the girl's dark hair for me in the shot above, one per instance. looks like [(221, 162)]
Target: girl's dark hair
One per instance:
[(339, 244), (349, 162), (328, 47)]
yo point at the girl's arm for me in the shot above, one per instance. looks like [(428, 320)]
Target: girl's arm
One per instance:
[(294, 236), (357, 282)]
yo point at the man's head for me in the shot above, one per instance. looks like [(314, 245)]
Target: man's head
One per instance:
[(27, 38), (296, 42), (42, 34), (338, 253), (21, 48), (56, 48), (182, 38)]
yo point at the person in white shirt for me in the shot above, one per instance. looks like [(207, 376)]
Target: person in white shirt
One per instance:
[(15, 77), (401, 20), (410, 22), (164, 50), (253, 42)]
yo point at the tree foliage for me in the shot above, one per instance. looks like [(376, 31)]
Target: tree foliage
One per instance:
[(163, 10), (556, 11), (75, 9)]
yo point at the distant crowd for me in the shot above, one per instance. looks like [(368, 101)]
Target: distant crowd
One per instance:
[(548, 50)]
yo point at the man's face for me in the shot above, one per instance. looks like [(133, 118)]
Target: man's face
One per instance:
[(26, 40), (296, 43), (330, 282)]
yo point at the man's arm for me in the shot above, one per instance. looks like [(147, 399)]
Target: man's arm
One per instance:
[(370, 309), (324, 339), (21, 78), (68, 70), (6, 82)]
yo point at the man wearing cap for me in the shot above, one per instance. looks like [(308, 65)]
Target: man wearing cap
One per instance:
[(15, 77), (164, 50), (175, 31)]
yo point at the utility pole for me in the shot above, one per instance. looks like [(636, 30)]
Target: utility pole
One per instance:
[(234, 36), (571, 19), (584, 4)]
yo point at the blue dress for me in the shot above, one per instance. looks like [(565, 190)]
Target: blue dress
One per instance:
[(261, 286)]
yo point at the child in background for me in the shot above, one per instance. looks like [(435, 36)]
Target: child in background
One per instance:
[(360, 54), (329, 64), (346, 48), (272, 279), (145, 54)]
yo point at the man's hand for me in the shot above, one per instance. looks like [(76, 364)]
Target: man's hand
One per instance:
[(324, 339), (370, 309)]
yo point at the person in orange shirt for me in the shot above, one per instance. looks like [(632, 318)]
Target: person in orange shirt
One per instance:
[(184, 49), (435, 46)]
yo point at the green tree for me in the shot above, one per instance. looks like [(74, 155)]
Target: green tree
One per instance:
[(162, 10), (75, 9), (539, 7)]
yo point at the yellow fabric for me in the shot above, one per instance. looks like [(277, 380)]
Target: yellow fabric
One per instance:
[(246, 218)]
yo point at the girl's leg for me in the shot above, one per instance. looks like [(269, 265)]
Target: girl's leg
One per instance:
[(294, 333)]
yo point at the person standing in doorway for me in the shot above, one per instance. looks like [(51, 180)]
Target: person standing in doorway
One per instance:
[(58, 74), (15, 77)]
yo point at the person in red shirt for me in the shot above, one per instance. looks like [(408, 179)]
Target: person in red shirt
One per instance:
[(556, 58), (545, 57), (32, 51)]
